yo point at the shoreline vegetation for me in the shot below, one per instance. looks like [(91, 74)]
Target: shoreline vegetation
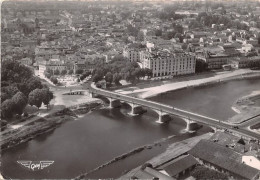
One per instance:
[(41, 125)]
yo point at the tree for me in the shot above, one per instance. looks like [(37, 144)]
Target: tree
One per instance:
[(35, 98), (49, 71), (79, 71), (140, 36), (70, 71), (63, 72), (137, 73), (200, 66), (142, 73), (87, 73), (158, 32), (170, 35), (109, 77), (33, 83), (20, 102), (178, 28), (97, 78), (54, 80), (132, 31), (47, 74), (47, 96), (148, 72), (56, 72), (14, 72), (4, 96), (177, 35), (9, 91), (7, 108), (116, 78)]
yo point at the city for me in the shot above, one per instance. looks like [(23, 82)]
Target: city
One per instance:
[(130, 89)]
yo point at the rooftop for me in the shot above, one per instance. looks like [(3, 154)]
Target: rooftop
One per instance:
[(178, 165), (223, 157)]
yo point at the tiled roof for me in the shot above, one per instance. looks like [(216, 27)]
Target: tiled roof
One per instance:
[(223, 157), (178, 165)]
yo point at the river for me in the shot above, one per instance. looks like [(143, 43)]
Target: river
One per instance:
[(82, 145)]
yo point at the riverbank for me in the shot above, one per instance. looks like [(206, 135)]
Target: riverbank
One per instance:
[(125, 155), (246, 107), (173, 151), (143, 91), (36, 125)]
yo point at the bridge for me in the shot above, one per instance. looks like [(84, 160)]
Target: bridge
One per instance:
[(165, 112)]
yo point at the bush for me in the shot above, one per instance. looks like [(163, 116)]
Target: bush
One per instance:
[(79, 71), (70, 71), (18, 116), (56, 72), (3, 124), (54, 80), (7, 108), (47, 74), (63, 72), (25, 114)]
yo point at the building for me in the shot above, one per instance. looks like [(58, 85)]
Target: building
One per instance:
[(243, 62), (214, 61), (179, 166), (148, 172), (239, 62), (133, 54), (252, 159), (223, 159), (52, 64), (164, 63)]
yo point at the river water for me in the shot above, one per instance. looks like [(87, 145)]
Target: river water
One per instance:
[(82, 145)]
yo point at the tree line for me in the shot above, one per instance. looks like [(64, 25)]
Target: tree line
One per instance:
[(17, 89), (119, 68)]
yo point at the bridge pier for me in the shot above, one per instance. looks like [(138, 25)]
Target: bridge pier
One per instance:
[(113, 103), (163, 117), (135, 109), (191, 125)]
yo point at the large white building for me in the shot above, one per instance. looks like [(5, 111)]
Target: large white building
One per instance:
[(165, 63), (133, 54)]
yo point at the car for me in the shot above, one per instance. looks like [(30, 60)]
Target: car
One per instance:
[(235, 127)]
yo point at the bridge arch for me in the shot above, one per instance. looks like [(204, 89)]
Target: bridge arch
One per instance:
[(164, 111)]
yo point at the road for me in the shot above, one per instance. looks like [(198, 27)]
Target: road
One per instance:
[(204, 120)]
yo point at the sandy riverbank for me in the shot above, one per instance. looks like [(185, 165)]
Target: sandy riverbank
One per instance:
[(171, 86), (246, 107)]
